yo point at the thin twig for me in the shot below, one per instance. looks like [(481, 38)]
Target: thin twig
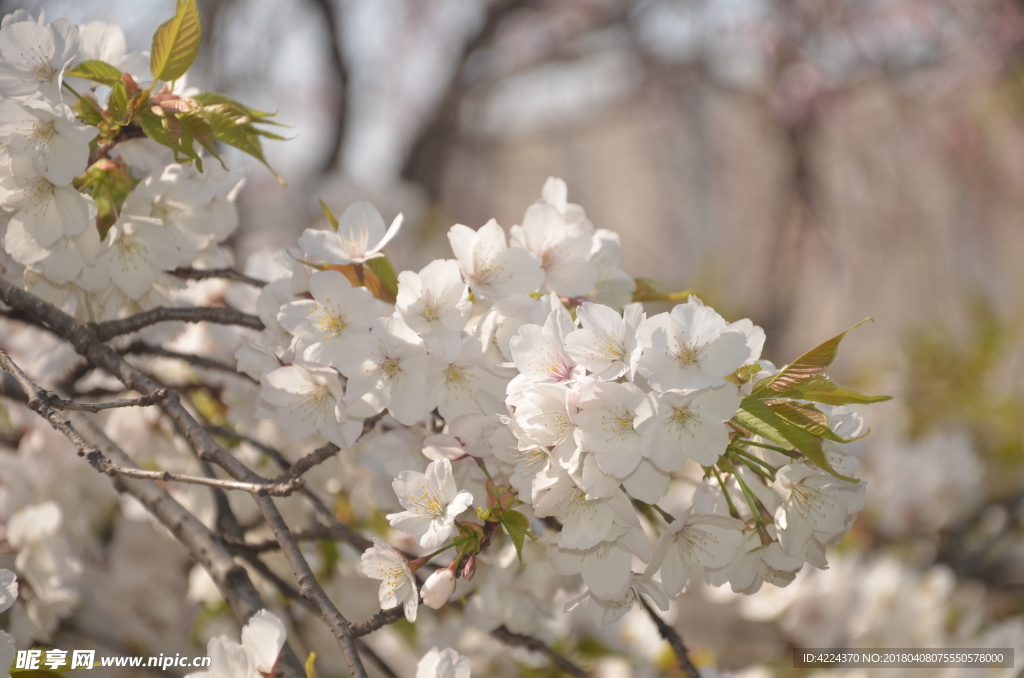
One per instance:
[(205, 546), (566, 666), (186, 273), (142, 348), (673, 638), (87, 341), (56, 402), (106, 331)]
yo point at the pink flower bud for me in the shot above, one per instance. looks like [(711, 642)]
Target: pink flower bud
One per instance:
[(470, 568), (438, 588)]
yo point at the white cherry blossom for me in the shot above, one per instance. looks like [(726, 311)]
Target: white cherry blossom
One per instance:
[(359, 238), (438, 588), (606, 344), (692, 541), (446, 663), (691, 347), (812, 501), (309, 399), (434, 301), (431, 501), (490, 266), (386, 369), (322, 326), (35, 56), (49, 135), (562, 248), (398, 585), (606, 425), (136, 251), (682, 425), (607, 609), (46, 211), (460, 378)]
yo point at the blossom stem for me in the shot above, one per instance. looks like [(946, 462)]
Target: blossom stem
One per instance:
[(781, 450), (758, 510), (72, 90), (423, 560), (761, 468), (725, 493), (664, 514)]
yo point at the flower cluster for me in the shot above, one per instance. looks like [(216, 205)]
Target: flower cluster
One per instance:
[(528, 414), (96, 232)]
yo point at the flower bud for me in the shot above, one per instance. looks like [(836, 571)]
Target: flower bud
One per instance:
[(469, 569), (438, 588)]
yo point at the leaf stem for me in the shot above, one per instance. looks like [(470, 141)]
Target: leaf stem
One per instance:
[(725, 493)]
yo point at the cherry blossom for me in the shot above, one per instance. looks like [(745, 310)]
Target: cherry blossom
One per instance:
[(360, 236), (446, 663), (398, 585), (491, 267), (432, 502)]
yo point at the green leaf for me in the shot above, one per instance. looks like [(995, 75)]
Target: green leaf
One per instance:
[(310, 671), (196, 124), (803, 368), (239, 135), (758, 417), (117, 104), (215, 98), (821, 389), (97, 71), (176, 43), (518, 527), (333, 220), (88, 110), (153, 127), (385, 271), (807, 418)]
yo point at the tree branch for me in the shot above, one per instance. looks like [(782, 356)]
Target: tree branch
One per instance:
[(509, 638), (86, 339), (139, 347), (186, 273), (673, 638), (56, 402), (106, 331)]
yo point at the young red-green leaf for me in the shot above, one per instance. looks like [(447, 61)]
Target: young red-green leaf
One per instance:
[(807, 418), (234, 107), (803, 368), (88, 110), (97, 71), (153, 127), (758, 417), (176, 43), (117, 104), (382, 268), (821, 389), (239, 135), (518, 527)]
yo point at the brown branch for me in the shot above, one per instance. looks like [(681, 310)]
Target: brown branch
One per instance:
[(206, 547), (56, 402), (87, 341), (337, 61), (514, 639), (142, 348), (106, 331), (673, 638), (186, 273)]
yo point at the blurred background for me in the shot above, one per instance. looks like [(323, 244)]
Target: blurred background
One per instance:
[(804, 163)]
